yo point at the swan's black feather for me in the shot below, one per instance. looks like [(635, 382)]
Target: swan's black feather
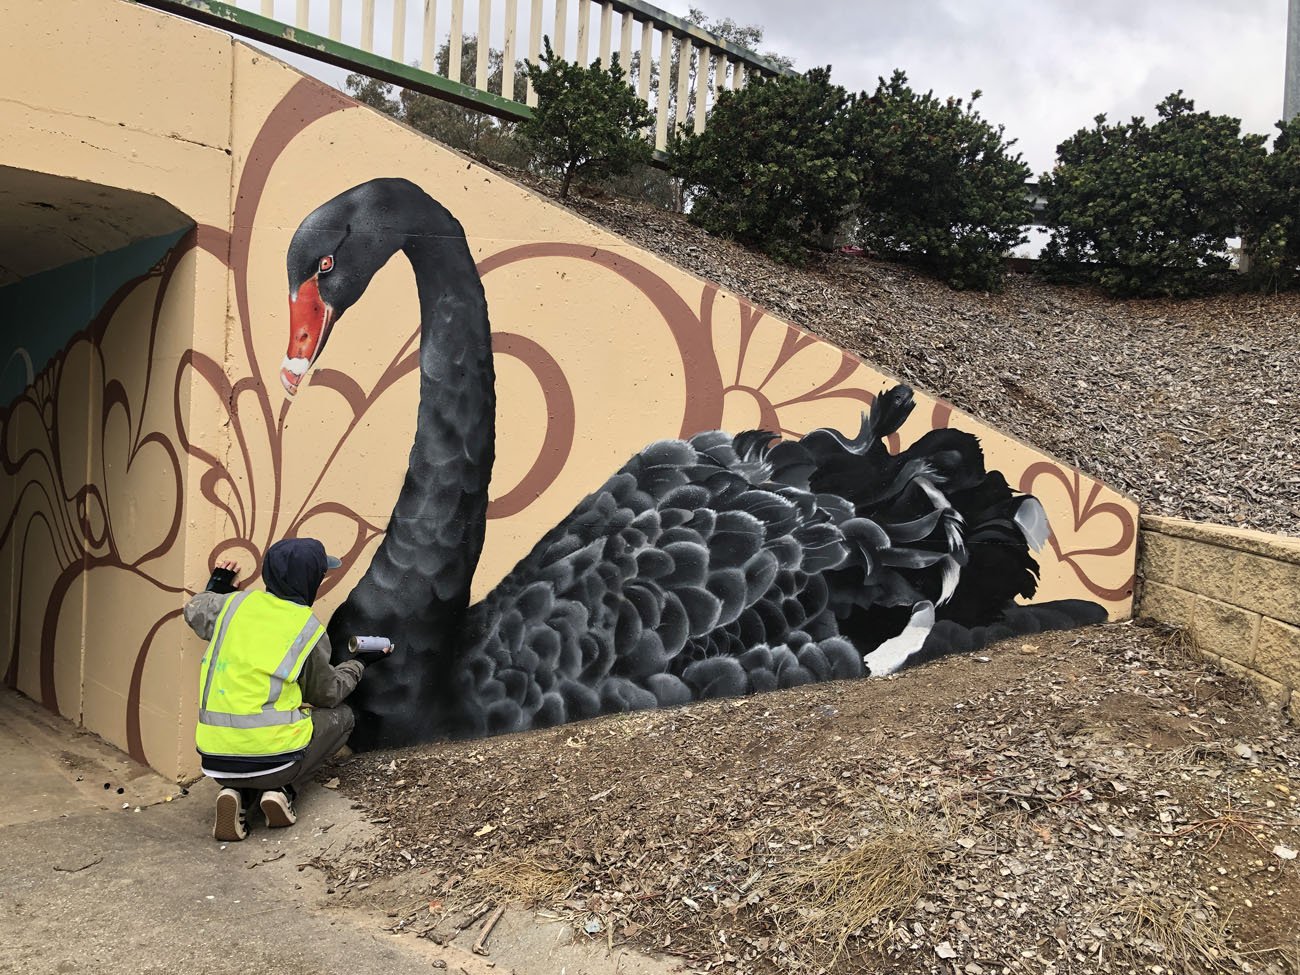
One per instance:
[(729, 565)]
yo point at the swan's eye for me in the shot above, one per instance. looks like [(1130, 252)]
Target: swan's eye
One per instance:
[(327, 263)]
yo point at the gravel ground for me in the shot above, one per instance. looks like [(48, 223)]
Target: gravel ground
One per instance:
[(1192, 407), (1091, 801)]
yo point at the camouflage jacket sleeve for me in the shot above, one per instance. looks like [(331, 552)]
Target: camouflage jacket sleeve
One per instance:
[(202, 611), (323, 685)]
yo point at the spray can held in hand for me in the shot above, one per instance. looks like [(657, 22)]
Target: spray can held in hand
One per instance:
[(370, 648)]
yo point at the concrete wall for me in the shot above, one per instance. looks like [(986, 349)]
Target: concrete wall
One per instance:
[(1236, 592), (600, 348)]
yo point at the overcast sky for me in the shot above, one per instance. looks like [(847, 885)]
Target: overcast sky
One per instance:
[(1046, 67)]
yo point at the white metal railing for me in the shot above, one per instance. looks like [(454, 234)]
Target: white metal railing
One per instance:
[(399, 42)]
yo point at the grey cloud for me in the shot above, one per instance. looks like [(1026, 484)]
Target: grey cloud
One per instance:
[(1045, 68)]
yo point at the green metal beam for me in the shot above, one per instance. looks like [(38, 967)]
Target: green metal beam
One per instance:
[(248, 24)]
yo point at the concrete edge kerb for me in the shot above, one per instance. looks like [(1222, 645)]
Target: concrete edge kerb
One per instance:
[(1279, 547)]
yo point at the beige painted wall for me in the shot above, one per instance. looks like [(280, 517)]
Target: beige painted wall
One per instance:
[(99, 536), (601, 347), (1236, 592)]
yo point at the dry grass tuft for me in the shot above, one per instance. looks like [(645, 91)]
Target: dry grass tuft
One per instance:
[(823, 904), (1179, 643), (1184, 758), (524, 880), (1181, 937)]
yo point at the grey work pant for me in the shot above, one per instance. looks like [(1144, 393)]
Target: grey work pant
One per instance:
[(330, 728)]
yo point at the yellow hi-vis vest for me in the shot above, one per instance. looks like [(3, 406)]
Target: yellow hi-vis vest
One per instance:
[(250, 704)]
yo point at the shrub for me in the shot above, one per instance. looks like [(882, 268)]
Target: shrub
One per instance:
[(1271, 239), (770, 169), (1147, 210), (377, 94), (587, 121), (937, 184)]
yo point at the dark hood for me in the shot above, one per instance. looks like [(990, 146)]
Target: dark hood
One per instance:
[(293, 569)]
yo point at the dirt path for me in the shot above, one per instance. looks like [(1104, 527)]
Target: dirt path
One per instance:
[(1074, 802)]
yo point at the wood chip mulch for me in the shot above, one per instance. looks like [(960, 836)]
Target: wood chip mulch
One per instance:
[(1089, 801), (1192, 406)]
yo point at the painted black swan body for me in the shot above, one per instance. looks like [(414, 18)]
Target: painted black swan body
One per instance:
[(709, 567)]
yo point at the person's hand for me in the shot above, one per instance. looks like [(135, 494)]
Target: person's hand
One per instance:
[(224, 574), (230, 565), (368, 657)]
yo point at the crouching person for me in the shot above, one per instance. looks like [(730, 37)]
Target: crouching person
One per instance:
[(271, 707)]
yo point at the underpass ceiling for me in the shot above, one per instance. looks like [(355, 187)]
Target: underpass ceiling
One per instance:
[(48, 221)]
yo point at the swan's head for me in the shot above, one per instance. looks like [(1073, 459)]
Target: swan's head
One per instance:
[(334, 253)]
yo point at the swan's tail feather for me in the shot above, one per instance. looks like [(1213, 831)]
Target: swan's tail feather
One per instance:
[(791, 464), (1032, 520), (890, 410), (753, 445), (746, 453), (959, 536), (1001, 527), (897, 651)]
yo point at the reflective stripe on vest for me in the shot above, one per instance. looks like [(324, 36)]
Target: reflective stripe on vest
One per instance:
[(250, 703)]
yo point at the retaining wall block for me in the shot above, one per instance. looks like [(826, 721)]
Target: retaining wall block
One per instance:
[(1224, 629), (1206, 569), (1158, 557), (1167, 604), (1268, 586), (1277, 651)]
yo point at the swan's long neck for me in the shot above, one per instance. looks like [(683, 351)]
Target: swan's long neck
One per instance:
[(436, 533), (417, 586)]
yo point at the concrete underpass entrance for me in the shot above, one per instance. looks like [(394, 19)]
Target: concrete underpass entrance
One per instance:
[(77, 260)]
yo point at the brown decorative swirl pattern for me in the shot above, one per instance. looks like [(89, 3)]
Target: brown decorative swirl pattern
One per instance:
[(1084, 510), (58, 519)]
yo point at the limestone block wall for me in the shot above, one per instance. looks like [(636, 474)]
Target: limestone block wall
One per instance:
[(1237, 592)]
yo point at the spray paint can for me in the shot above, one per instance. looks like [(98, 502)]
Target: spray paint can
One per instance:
[(369, 644)]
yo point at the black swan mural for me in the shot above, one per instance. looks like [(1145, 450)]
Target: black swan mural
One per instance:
[(719, 565)]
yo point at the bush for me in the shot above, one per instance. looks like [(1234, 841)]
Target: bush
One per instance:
[(938, 186), (770, 169), (587, 121), (1271, 239), (1147, 210)]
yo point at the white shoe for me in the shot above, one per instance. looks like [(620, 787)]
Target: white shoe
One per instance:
[(231, 823), (277, 807)]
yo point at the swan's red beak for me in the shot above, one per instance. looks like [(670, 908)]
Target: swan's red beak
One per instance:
[(309, 325)]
